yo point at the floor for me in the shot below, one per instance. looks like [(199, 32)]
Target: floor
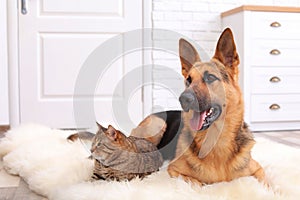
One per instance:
[(14, 188), (290, 138)]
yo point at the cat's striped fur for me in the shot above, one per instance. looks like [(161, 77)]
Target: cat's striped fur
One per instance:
[(118, 157)]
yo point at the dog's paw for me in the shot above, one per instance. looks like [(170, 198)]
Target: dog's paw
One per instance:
[(194, 182), (175, 174)]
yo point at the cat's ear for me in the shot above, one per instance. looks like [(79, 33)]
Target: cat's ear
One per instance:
[(101, 128), (112, 133)]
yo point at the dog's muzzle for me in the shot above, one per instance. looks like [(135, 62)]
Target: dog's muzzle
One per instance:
[(204, 114), (188, 101)]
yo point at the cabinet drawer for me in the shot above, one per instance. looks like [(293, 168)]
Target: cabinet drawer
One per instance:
[(267, 80), (271, 53), (275, 25), (275, 108)]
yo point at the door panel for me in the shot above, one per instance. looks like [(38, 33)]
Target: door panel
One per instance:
[(79, 46), (56, 38), (90, 7)]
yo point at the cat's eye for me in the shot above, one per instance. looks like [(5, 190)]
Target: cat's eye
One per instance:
[(209, 78), (97, 144)]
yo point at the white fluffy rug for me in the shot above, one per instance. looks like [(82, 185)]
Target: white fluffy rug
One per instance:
[(58, 169)]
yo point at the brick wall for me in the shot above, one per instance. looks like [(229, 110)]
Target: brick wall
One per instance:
[(198, 21)]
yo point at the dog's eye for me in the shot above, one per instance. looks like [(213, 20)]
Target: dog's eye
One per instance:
[(209, 78), (188, 81)]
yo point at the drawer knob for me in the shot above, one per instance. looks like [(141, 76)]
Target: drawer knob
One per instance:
[(275, 24), (274, 107), (275, 52), (275, 79)]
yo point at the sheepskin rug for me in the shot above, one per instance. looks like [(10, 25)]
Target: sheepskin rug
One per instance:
[(60, 170)]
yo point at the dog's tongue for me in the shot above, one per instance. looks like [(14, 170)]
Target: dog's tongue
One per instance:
[(197, 121)]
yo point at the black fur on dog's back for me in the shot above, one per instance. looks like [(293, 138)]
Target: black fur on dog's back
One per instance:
[(167, 144)]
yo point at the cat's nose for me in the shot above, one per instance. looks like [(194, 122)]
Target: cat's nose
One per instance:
[(93, 149)]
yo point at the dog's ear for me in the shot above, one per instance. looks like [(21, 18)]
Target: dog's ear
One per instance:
[(188, 56), (226, 52)]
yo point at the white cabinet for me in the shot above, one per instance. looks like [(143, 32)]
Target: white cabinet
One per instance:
[(268, 42)]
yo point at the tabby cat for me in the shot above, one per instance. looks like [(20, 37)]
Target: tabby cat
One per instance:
[(118, 157)]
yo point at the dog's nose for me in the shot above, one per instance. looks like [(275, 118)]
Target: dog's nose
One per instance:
[(186, 100)]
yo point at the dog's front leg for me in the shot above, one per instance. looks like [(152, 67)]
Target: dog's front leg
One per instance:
[(258, 172), (174, 173)]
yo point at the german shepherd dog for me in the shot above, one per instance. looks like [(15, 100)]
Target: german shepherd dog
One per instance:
[(214, 143)]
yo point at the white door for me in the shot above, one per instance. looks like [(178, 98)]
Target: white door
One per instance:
[(56, 40), (3, 67)]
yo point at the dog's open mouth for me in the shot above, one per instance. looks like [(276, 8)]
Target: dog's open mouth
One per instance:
[(202, 120)]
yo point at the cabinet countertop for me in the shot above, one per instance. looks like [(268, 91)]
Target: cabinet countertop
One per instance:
[(260, 8)]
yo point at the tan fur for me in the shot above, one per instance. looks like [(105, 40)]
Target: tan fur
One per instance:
[(151, 128), (222, 152)]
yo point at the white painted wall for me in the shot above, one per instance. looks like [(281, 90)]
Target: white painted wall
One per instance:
[(200, 21), (4, 117)]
